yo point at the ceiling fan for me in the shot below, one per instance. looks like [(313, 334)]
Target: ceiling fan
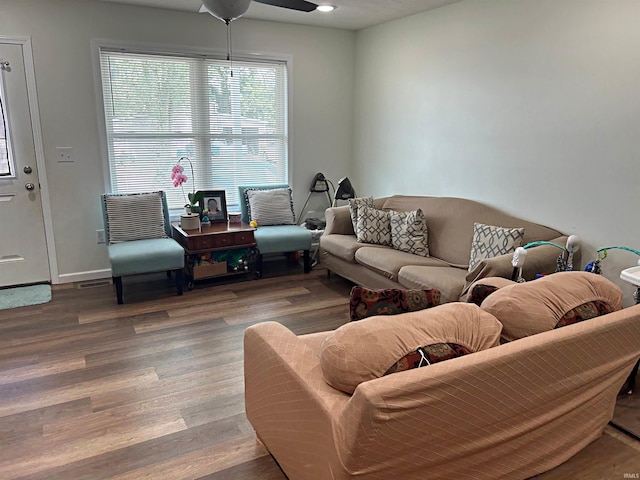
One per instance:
[(228, 10)]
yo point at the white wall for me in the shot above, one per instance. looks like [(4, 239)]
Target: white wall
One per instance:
[(61, 32), (532, 106)]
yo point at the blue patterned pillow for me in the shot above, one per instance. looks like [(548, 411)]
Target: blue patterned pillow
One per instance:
[(490, 241), (409, 232), (373, 226)]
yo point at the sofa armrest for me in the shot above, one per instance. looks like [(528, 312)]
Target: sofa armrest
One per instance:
[(338, 221), (540, 259), (284, 392)]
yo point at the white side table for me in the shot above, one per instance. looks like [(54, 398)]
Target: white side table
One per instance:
[(632, 275)]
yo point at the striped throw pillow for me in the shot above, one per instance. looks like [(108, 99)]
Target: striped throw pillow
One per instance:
[(135, 216), (270, 207)]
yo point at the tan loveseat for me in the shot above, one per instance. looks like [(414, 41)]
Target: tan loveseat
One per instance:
[(450, 232), (505, 412)]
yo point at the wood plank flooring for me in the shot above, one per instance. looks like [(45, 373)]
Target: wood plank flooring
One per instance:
[(90, 390)]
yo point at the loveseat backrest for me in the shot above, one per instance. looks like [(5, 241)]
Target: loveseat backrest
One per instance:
[(450, 224), (526, 402)]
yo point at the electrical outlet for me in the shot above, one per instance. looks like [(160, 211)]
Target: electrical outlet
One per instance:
[(100, 237)]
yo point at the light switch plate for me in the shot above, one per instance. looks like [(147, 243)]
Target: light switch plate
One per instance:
[(64, 154)]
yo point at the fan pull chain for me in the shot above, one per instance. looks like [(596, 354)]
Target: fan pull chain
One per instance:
[(229, 48)]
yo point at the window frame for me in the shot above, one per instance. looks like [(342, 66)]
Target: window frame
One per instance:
[(6, 124), (181, 51)]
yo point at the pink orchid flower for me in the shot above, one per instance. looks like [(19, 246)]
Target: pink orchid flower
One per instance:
[(179, 179)]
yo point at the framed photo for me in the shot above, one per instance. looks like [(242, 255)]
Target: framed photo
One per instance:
[(214, 206)]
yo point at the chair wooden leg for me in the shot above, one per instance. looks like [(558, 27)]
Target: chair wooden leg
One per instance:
[(179, 280), (307, 261), (118, 282)]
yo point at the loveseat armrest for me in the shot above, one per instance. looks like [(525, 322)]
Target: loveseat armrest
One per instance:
[(287, 400), (540, 259)]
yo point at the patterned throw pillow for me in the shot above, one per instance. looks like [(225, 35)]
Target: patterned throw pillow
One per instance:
[(270, 207), (373, 226), (427, 355), (354, 204), (490, 241), (136, 216), (409, 232), (586, 311), (479, 292), (366, 302)]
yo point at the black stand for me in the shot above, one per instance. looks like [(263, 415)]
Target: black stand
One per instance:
[(630, 382), (306, 202)]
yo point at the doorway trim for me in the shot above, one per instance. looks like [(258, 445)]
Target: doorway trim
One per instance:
[(34, 112)]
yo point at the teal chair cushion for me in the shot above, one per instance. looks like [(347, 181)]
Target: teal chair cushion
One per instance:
[(142, 256), (282, 238)]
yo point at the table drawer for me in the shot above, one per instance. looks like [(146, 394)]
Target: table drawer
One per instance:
[(211, 241), (243, 238)]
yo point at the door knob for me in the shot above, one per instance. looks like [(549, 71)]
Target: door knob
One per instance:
[(27, 169), (29, 186)]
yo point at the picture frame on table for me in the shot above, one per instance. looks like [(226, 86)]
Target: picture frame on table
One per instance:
[(215, 203)]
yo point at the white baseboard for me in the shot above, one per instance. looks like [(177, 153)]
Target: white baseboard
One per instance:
[(84, 276)]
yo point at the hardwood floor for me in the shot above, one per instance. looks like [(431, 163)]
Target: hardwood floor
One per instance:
[(90, 390)]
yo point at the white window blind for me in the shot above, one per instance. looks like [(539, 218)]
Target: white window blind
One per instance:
[(5, 147), (159, 108)]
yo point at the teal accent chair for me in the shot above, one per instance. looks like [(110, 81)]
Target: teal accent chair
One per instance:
[(276, 238), (132, 257)]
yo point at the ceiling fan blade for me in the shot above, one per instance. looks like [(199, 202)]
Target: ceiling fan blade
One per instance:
[(301, 5)]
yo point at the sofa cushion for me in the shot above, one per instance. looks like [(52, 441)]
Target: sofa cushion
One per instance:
[(586, 311), (533, 307), (373, 226), (409, 232), (354, 205), (490, 241), (449, 280), (365, 350), (366, 302), (270, 206), (387, 261), (428, 355), (344, 246)]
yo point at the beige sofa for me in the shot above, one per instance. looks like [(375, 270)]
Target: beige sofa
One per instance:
[(507, 412), (450, 231)]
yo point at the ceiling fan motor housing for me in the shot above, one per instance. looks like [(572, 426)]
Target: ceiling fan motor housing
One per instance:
[(226, 10)]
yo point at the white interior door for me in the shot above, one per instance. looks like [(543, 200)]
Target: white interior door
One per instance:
[(23, 248)]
